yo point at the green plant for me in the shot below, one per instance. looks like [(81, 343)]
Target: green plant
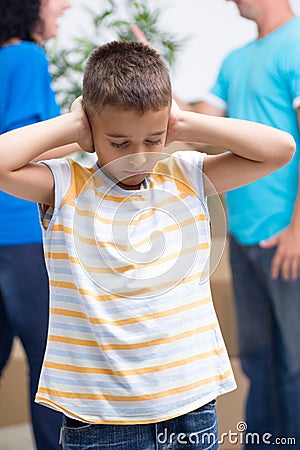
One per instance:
[(67, 64)]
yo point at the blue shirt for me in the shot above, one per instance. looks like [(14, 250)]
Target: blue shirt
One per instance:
[(26, 97), (261, 82)]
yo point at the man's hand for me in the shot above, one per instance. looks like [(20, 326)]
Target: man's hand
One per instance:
[(139, 34), (85, 138), (287, 257)]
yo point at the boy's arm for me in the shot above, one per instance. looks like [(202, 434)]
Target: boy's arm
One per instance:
[(255, 150), (59, 152), (31, 181)]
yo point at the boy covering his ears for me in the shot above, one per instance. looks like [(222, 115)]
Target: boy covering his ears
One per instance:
[(134, 346)]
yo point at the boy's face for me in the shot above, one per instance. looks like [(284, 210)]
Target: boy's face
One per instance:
[(124, 141)]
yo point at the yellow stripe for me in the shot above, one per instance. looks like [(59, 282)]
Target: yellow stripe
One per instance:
[(128, 421), (122, 198), (79, 177), (63, 228), (136, 398), (111, 270), (141, 197), (140, 371), (168, 340), (125, 223), (199, 218), (169, 228), (172, 170), (73, 341), (131, 320), (135, 346), (121, 295)]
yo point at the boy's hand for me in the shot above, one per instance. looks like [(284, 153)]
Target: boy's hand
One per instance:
[(173, 133), (85, 138)]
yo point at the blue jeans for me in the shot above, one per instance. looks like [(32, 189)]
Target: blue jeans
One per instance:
[(24, 310), (268, 321), (197, 430)]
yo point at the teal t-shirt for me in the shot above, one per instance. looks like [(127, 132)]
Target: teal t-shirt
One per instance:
[(26, 97), (261, 82)]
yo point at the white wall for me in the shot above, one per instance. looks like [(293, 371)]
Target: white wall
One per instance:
[(213, 26)]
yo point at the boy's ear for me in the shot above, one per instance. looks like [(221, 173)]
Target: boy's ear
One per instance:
[(86, 112), (83, 105), (85, 141)]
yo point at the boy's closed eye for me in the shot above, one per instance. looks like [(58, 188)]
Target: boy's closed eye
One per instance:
[(126, 143), (157, 142), (119, 144)]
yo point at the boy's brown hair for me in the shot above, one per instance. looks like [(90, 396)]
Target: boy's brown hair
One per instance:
[(127, 75)]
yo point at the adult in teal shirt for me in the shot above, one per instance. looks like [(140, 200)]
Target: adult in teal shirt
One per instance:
[(261, 82), (26, 97)]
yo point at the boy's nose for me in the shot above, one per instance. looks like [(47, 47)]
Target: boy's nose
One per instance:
[(137, 159)]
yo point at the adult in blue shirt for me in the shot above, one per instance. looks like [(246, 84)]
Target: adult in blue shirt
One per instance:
[(26, 97), (261, 82)]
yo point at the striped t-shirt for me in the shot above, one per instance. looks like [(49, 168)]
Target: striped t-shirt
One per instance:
[(133, 335)]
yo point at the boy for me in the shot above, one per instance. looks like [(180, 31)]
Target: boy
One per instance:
[(135, 357)]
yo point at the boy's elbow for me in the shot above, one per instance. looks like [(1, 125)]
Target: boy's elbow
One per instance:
[(287, 150), (3, 175), (291, 148)]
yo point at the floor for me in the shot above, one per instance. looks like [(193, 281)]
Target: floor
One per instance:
[(17, 437)]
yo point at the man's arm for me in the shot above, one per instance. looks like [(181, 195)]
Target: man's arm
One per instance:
[(287, 256), (201, 107)]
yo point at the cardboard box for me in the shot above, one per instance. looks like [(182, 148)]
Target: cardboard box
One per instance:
[(14, 401)]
